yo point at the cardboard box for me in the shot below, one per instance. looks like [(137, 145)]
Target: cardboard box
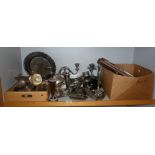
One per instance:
[(119, 87)]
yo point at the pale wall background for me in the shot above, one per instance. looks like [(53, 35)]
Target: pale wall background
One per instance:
[(145, 56), (68, 56), (10, 65)]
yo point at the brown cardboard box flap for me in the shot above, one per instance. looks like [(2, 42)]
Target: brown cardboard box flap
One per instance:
[(122, 87)]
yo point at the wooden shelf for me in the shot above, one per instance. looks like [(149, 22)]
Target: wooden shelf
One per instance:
[(81, 103), (103, 103)]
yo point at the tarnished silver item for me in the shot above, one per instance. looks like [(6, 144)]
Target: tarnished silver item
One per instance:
[(52, 90), (36, 79), (56, 87), (40, 63), (75, 85)]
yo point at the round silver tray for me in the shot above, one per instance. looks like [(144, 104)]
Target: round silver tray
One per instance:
[(40, 63)]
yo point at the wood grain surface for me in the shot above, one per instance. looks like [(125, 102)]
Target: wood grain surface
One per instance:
[(82, 103), (11, 96)]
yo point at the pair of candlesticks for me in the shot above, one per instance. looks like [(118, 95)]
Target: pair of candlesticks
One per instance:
[(74, 85)]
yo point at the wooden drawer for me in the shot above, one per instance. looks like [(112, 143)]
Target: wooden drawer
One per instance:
[(11, 96)]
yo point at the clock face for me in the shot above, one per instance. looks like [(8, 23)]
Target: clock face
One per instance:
[(40, 63)]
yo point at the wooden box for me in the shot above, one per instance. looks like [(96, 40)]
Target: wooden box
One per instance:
[(13, 96)]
